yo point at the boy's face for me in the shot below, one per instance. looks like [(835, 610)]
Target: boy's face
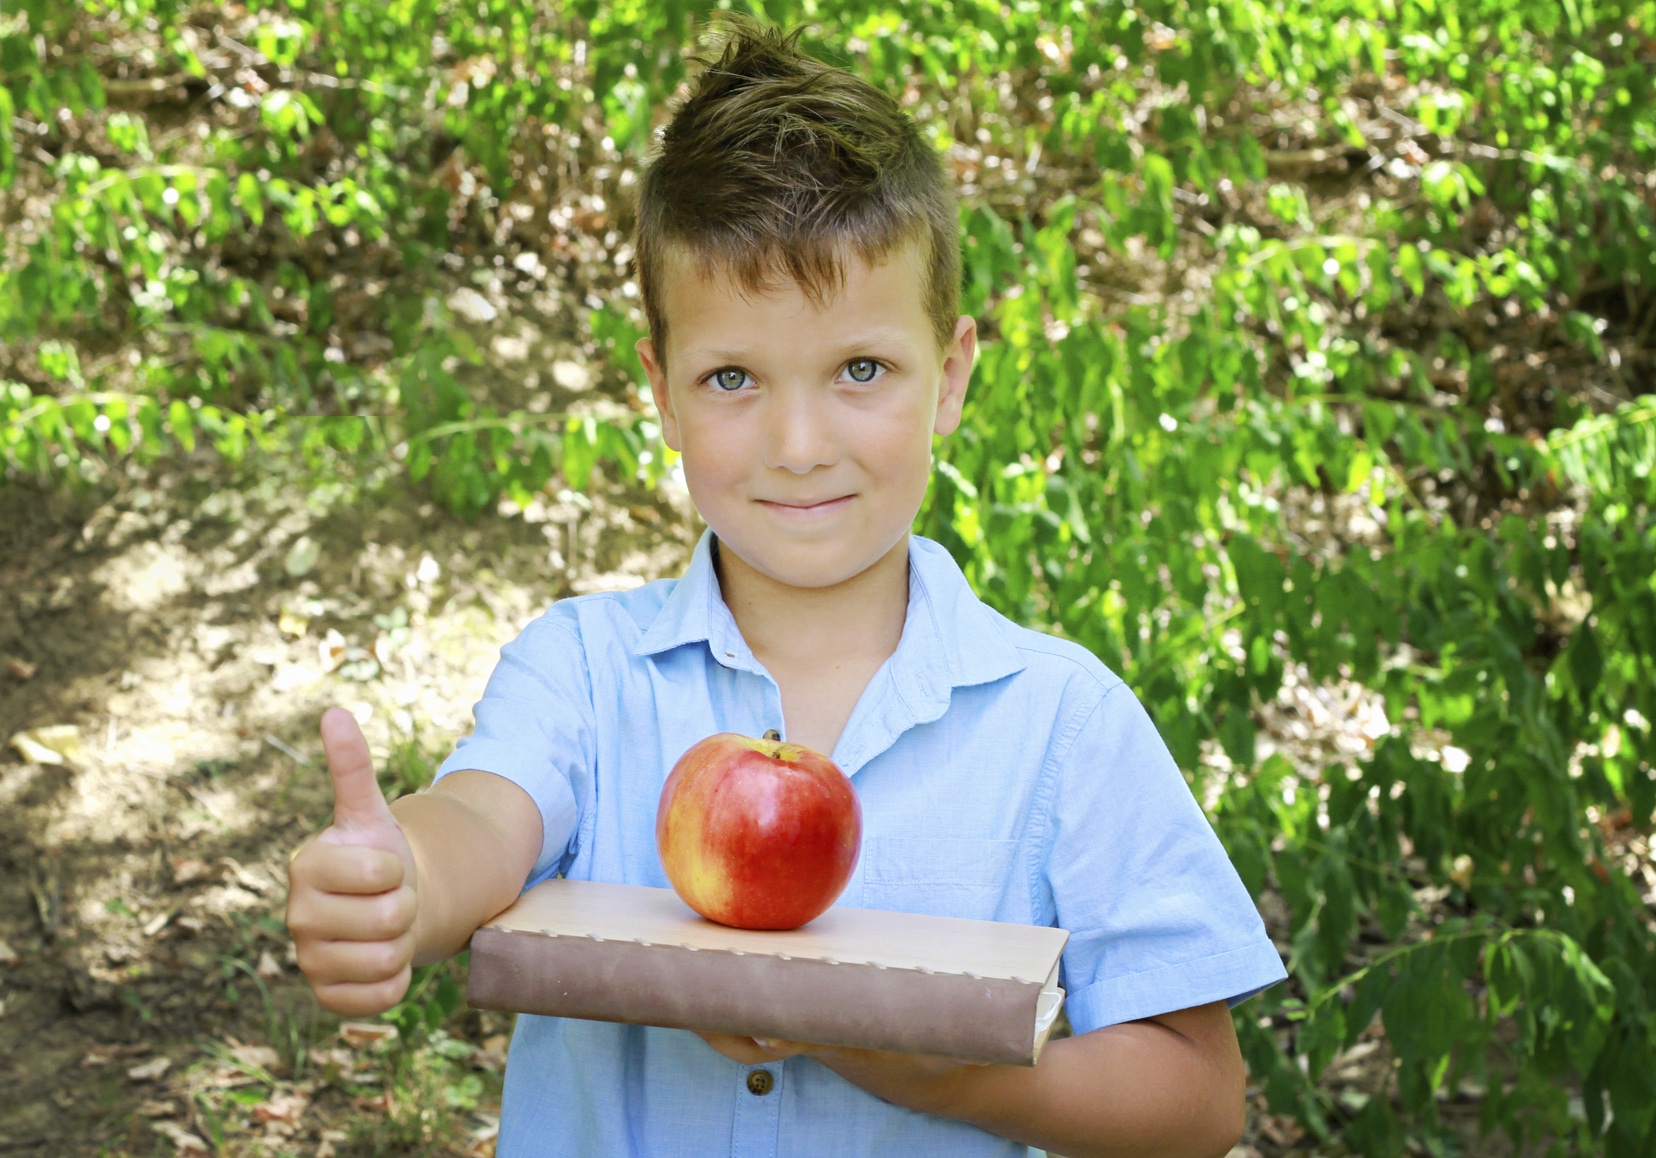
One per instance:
[(806, 428)]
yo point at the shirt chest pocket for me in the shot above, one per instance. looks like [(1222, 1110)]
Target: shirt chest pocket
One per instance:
[(944, 876)]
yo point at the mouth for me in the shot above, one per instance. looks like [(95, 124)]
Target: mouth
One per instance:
[(807, 508)]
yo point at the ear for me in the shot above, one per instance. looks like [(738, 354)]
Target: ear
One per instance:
[(957, 371), (656, 370)]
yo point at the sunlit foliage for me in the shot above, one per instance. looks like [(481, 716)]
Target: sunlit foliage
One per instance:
[(1319, 341)]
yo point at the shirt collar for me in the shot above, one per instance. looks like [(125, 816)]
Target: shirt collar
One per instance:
[(950, 638), (695, 612)]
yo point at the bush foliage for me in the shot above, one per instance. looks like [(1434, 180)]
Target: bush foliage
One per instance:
[(1319, 347)]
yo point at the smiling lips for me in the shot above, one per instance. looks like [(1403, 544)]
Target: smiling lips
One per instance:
[(806, 510)]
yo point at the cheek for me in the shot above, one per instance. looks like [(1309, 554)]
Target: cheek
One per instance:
[(899, 441), (715, 452)]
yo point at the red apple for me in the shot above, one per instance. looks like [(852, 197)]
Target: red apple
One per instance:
[(757, 833)]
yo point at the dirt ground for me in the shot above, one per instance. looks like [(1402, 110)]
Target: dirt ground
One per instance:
[(170, 644)]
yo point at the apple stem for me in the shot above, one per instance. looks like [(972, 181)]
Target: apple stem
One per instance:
[(773, 735)]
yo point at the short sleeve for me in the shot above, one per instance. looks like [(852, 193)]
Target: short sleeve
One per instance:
[(1158, 918), (535, 728)]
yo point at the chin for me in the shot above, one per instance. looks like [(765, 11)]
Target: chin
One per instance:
[(807, 564)]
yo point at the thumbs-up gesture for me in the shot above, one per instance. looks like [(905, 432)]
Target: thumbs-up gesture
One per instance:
[(351, 888)]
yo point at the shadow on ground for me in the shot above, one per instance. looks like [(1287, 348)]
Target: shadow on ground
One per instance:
[(169, 643)]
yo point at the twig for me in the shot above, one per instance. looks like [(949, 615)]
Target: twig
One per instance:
[(1407, 122), (287, 749)]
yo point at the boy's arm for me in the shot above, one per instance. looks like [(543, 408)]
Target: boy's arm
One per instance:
[(384, 888), (1166, 1087), (475, 837)]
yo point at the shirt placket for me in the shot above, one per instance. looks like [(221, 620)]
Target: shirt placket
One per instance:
[(758, 1111)]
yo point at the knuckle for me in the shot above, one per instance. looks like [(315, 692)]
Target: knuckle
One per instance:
[(390, 959), (408, 912), (396, 915), (308, 961), (374, 961), (302, 925), (379, 872), (398, 985)]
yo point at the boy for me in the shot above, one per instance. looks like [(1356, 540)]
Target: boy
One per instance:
[(798, 257)]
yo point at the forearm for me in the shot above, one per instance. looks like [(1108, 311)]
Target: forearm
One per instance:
[(1169, 1087), (467, 869), (1138, 1090)]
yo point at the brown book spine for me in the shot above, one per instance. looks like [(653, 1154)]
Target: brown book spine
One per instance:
[(755, 995)]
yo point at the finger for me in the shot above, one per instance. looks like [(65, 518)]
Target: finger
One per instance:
[(779, 1050), (331, 917), (358, 802), (351, 1000), (351, 869), (737, 1049), (355, 962)]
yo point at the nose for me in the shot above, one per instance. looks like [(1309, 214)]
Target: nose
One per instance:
[(799, 435)]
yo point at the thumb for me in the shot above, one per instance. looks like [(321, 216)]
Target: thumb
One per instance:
[(359, 805)]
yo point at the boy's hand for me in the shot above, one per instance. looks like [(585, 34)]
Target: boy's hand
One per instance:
[(351, 888), (915, 1081)]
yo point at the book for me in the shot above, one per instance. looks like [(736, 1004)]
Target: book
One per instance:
[(973, 990)]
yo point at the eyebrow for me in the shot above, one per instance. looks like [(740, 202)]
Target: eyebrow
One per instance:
[(849, 346), (875, 338), (716, 355)]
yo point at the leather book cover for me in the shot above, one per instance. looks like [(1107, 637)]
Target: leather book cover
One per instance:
[(974, 990)]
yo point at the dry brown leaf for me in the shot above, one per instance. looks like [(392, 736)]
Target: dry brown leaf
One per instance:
[(157, 1109), (268, 968), (358, 1034), (189, 1146), (21, 670), (330, 652), (247, 878), (8, 955), (187, 869), (102, 1054), (156, 923), (150, 1070), (260, 1057), (1280, 1129), (287, 1107), (228, 1077)]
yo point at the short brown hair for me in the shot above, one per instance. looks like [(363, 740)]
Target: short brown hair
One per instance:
[(777, 165)]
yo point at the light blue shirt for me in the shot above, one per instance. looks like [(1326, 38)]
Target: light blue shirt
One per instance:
[(1004, 775)]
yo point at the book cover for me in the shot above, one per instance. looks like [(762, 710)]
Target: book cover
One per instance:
[(973, 990)]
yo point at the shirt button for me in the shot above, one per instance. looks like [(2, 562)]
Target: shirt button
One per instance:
[(759, 1082)]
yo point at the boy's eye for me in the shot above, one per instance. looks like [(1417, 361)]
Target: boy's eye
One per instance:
[(730, 378), (862, 370)]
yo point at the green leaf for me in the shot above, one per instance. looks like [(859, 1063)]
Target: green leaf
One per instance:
[(1426, 1008), (1586, 661), (1375, 1132), (1409, 268), (1359, 470)]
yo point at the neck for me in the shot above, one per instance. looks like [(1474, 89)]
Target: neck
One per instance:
[(786, 625)]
